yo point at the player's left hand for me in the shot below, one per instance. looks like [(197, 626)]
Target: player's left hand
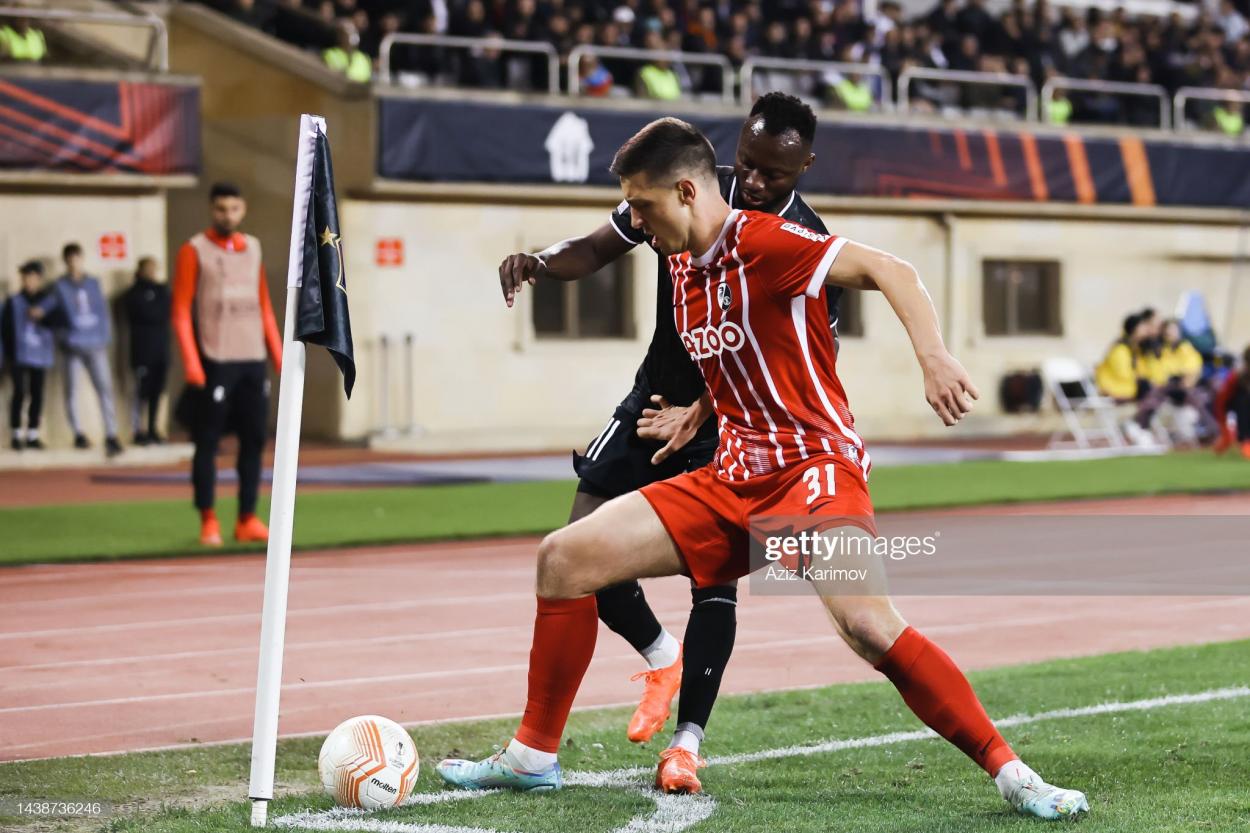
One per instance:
[(669, 424), (948, 388)]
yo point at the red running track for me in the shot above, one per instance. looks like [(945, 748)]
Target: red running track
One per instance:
[(98, 658)]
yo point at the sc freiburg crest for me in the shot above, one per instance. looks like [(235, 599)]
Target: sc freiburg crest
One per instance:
[(724, 296)]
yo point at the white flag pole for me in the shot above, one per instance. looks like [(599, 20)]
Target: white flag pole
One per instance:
[(282, 502)]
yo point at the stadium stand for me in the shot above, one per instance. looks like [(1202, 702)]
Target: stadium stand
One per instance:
[(1093, 65)]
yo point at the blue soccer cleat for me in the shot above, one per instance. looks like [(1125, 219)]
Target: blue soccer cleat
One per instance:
[(497, 773)]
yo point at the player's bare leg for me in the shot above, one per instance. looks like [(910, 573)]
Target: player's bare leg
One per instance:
[(933, 687), (622, 540), (624, 609)]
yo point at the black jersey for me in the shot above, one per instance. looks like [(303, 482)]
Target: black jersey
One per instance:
[(668, 369)]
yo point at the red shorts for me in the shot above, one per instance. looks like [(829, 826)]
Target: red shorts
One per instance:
[(709, 519)]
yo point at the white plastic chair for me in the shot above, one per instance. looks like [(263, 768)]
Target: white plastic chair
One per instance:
[(1088, 415)]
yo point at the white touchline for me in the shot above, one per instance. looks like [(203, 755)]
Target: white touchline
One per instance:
[(675, 813)]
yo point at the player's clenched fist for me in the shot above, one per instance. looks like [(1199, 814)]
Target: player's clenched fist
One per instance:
[(517, 270), (948, 388)]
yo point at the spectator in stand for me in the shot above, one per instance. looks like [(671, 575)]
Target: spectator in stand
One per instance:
[(346, 58), (1227, 116), (853, 93), (656, 79), (250, 12), (85, 338), (146, 305), (1028, 37), (20, 42), (29, 353), (595, 79), (1234, 399)]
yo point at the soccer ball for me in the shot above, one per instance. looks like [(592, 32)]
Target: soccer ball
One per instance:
[(368, 762)]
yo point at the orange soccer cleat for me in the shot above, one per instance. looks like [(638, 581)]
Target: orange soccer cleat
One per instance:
[(657, 701), (250, 528), (210, 531), (1245, 449), (677, 772)]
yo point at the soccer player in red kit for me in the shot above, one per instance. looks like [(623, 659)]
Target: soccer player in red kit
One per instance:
[(749, 303)]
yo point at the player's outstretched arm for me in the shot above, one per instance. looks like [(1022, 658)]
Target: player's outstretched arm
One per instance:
[(947, 387), (568, 260)]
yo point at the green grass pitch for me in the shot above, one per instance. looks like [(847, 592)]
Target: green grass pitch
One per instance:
[(325, 519), (1164, 767)]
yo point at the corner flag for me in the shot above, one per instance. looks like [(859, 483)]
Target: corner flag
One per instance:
[(322, 317), (316, 311)]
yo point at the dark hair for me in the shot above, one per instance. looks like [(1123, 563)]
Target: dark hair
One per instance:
[(223, 189), (782, 112), (1130, 323), (69, 250), (30, 267), (139, 263), (1147, 313), (663, 149)]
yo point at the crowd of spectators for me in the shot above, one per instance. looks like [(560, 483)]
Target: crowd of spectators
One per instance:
[(1181, 386), (1033, 39)]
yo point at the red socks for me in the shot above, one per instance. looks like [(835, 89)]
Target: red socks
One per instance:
[(564, 640), (940, 695), (207, 515)]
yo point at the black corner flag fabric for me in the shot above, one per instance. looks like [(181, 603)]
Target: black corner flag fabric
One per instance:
[(321, 317)]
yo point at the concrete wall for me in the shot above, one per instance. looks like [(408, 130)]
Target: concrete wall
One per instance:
[(481, 380), (254, 90), (37, 225)]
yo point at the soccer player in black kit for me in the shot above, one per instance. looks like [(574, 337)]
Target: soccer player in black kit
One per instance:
[(662, 429)]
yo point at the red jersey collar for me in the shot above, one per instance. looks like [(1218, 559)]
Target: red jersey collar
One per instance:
[(236, 242), (707, 257)]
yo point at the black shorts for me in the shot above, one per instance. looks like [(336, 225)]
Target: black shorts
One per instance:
[(618, 461), (233, 400)]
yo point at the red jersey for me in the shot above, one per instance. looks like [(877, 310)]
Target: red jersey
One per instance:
[(751, 312)]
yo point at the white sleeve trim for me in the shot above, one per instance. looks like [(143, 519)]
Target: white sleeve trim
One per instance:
[(617, 229), (822, 269)]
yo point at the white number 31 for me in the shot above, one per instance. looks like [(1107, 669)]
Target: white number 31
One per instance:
[(812, 478)]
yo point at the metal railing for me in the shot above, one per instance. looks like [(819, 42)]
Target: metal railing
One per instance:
[(966, 77), (1186, 94), (470, 44), (384, 421), (1111, 87), (689, 58), (158, 45), (750, 65)]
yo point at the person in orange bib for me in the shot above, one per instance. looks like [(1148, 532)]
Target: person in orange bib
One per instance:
[(225, 328)]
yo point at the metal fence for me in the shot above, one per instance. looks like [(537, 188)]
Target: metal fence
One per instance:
[(967, 78), (746, 76), (648, 55), (158, 44), (470, 44), (1187, 94), (1117, 88), (738, 86)]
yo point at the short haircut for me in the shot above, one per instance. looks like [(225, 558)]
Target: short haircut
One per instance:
[(69, 250), (665, 149), (782, 112), (223, 189), (30, 267)]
